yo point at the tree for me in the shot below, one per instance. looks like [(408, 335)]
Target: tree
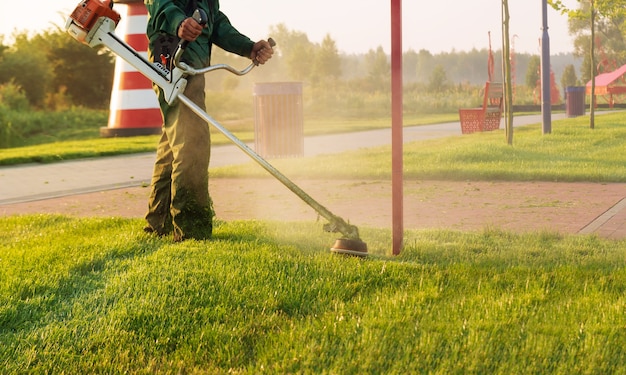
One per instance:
[(25, 64), (409, 65), (424, 65), (609, 30), (378, 68), (299, 62), (86, 73), (508, 86), (532, 72), (2, 47), (53, 62), (568, 78), (596, 12), (297, 51), (438, 81), (327, 60)]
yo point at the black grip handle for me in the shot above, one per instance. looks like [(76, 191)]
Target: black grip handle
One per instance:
[(200, 16), (272, 43)]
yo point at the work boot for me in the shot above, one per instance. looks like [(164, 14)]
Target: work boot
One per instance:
[(205, 232), (149, 230), (192, 220)]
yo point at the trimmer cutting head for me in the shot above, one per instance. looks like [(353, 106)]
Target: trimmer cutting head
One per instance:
[(347, 246)]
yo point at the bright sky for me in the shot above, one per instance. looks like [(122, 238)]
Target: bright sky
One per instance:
[(357, 25)]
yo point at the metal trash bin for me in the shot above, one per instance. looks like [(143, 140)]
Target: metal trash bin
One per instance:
[(278, 119), (575, 101)]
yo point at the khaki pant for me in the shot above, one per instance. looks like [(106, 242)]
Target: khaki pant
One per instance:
[(179, 197)]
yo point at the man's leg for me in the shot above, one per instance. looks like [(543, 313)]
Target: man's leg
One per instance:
[(158, 217), (189, 140)]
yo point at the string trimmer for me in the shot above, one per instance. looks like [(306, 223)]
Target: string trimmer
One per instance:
[(93, 23)]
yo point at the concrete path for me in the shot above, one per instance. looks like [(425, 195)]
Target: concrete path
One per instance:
[(31, 182), (23, 183)]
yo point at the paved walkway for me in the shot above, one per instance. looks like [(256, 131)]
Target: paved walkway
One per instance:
[(32, 182), (23, 183)]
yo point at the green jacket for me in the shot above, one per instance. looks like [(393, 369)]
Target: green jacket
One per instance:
[(166, 15)]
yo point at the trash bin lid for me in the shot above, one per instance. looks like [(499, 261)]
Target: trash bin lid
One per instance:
[(575, 88), (278, 88)]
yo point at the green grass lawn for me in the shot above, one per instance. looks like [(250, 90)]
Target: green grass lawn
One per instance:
[(83, 141), (100, 296), (573, 152)]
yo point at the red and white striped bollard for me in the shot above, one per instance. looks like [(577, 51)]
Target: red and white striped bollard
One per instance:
[(134, 108)]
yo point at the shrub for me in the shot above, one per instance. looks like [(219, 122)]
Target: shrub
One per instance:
[(6, 130), (26, 128), (13, 97)]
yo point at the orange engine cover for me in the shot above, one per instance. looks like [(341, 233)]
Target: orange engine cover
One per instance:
[(88, 11)]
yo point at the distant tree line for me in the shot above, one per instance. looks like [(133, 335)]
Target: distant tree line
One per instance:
[(306, 61), (53, 70)]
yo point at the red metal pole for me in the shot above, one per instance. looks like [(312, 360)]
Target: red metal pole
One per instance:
[(396, 127)]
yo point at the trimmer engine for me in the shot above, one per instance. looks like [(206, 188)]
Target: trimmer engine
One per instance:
[(88, 11), (93, 23), (86, 14)]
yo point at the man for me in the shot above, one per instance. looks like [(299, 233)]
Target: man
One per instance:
[(179, 198)]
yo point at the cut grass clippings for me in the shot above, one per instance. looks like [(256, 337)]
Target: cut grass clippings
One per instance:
[(100, 296)]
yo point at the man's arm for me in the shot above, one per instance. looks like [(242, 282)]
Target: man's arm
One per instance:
[(261, 52), (227, 37), (165, 16)]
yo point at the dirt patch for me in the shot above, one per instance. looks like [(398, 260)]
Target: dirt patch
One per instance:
[(514, 206)]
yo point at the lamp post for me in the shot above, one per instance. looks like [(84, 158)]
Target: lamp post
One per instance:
[(546, 109)]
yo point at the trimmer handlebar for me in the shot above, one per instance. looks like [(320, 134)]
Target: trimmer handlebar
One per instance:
[(200, 16), (192, 71)]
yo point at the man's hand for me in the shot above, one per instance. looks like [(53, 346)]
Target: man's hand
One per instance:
[(261, 52), (189, 29)]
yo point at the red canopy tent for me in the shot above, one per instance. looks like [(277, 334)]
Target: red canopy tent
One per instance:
[(610, 84)]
